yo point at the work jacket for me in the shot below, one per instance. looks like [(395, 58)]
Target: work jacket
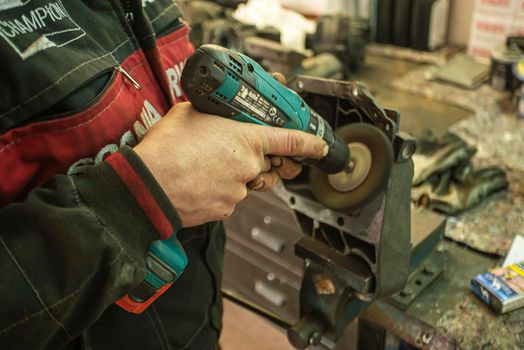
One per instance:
[(81, 82)]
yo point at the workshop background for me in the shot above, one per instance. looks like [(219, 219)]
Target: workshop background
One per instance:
[(450, 73)]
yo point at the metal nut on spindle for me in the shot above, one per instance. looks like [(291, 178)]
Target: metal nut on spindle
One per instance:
[(324, 285)]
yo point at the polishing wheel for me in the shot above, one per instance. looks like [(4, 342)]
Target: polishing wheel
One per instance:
[(370, 167)]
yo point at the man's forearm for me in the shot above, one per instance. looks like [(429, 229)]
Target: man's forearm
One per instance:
[(73, 247)]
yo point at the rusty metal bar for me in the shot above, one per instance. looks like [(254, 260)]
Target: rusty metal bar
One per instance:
[(407, 328)]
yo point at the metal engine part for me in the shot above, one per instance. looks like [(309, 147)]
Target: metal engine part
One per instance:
[(351, 257), (227, 32), (343, 36), (274, 57), (214, 24)]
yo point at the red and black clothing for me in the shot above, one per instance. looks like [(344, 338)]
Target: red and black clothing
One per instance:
[(81, 82)]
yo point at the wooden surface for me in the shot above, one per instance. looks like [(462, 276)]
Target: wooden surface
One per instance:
[(244, 330)]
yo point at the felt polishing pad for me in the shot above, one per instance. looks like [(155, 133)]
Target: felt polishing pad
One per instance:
[(370, 168)]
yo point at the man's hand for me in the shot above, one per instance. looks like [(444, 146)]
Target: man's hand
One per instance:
[(203, 162)]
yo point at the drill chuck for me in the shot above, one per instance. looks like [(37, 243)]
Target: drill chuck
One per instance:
[(338, 157), (223, 82)]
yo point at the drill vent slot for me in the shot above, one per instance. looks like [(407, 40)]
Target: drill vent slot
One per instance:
[(235, 64), (200, 92), (232, 76), (213, 100), (220, 95), (219, 66), (206, 87)]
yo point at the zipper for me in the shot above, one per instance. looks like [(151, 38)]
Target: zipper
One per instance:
[(128, 12), (128, 77), (73, 112)]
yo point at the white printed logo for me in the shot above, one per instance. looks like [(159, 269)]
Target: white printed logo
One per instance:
[(32, 26), (173, 75), (243, 91), (485, 293)]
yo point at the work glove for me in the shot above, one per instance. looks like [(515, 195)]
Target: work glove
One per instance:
[(457, 191), (445, 180), (437, 157)]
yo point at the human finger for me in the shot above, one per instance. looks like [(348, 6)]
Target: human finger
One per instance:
[(264, 181), (288, 168), (291, 143), (280, 77)]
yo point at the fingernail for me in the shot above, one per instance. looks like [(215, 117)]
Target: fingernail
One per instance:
[(325, 151), (276, 162), (257, 184)]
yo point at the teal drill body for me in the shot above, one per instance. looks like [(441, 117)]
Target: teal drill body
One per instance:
[(257, 102)]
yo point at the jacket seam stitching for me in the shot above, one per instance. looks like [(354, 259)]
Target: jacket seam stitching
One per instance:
[(160, 340), (110, 53), (161, 326), (76, 291), (202, 325), (90, 120), (162, 13), (33, 288), (61, 301)]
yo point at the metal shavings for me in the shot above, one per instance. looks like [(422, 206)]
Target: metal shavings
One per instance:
[(473, 326)]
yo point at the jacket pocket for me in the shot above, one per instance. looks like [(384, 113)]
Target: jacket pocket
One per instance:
[(81, 99)]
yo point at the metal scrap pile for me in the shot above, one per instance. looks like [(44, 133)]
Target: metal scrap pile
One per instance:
[(330, 47), (214, 24)]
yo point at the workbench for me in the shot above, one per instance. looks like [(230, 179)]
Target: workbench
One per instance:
[(262, 268)]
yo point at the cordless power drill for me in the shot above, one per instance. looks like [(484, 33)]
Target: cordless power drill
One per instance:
[(223, 82)]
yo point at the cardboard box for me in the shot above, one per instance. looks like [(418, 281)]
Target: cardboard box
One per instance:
[(502, 288), (493, 21)]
